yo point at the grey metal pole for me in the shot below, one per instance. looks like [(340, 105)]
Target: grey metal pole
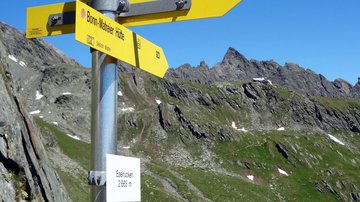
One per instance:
[(103, 115), (103, 105)]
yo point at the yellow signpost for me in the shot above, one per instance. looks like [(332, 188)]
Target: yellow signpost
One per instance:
[(37, 17), (199, 9), (37, 20), (94, 29)]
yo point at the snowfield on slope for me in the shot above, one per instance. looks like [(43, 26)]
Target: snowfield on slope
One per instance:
[(335, 139), (233, 125)]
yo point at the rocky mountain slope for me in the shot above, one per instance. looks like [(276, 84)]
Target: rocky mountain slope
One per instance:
[(26, 172), (203, 134), (291, 76)]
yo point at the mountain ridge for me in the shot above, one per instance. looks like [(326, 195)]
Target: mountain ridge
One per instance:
[(291, 76)]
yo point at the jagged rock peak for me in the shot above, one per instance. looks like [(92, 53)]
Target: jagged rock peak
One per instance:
[(343, 85), (30, 52), (293, 67), (233, 54), (203, 65)]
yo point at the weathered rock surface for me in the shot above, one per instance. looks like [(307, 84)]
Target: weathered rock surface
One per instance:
[(291, 76), (26, 172)]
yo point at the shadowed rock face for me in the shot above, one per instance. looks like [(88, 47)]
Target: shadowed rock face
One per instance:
[(291, 76), (24, 166)]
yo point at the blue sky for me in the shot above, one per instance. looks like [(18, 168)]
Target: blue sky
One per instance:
[(322, 35)]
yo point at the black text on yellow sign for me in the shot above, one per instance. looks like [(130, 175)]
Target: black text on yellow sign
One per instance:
[(94, 29)]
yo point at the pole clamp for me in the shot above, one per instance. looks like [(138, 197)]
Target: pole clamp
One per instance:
[(97, 178), (118, 6)]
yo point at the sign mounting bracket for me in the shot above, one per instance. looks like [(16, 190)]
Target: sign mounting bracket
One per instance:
[(152, 7), (159, 6), (61, 19)]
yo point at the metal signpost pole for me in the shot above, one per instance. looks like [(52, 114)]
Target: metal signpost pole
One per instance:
[(103, 118), (103, 107)]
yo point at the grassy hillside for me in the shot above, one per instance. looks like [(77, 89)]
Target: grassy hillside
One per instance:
[(315, 165), (191, 151)]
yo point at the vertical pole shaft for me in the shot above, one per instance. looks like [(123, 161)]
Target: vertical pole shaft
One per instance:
[(103, 114)]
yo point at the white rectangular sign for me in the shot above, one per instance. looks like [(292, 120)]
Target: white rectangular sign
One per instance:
[(122, 178)]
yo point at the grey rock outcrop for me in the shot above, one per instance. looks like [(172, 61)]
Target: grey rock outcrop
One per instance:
[(26, 171), (291, 76), (356, 89)]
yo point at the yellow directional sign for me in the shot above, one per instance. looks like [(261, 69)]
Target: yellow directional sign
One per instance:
[(38, 17), (94, 29), (199, 9), (37, 20)]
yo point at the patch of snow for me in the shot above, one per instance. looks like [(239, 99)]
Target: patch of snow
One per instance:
[(73, 137), (67, 93), (233, 125), (55, 123), (335, 139), (123, 103), (49, 112), (38, 96), (270, 82), (283, 172), (35, 112), (250, 177), (22, 64), (130, 109), (259, 79), (120, 93), (22, 89), (281, 129), (13, 58), (81, 108), (158, 101), (243, 130), (41, 117), (126, 147)]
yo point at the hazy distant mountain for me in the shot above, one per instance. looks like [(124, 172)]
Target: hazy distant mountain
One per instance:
[(225, 133)]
